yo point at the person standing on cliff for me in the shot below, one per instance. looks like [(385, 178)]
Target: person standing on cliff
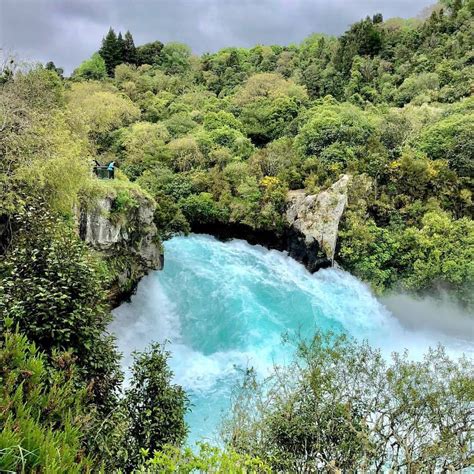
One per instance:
[(111, 169)]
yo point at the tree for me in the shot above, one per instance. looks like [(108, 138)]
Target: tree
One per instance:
[(120, 48), (52, 67), (268, 85), (451, 138), (279, 159), (129, 50), (100, 109), (201, 209), (342, 406), (36, 144), (364, 38), (111, 51), (185, 153), (377, 18), (420, 88), (180, 124), (215, 120), (155, 406), (442, 252), (335, 126), (93, 69), (232, 139), (268, 103), (149, 53), (143, 147), (369, 251), (175, 58)]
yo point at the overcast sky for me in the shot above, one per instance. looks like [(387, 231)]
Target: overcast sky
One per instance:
[(69, 31)]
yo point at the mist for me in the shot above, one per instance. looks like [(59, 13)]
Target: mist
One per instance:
[(431, 315)]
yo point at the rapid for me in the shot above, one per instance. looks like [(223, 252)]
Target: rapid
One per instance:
[(222, 307)]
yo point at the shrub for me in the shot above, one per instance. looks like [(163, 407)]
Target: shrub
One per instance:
[(155, 407), (344, 125), (93, 68), (208, 459), (54, 291), (452, 139), (201, 209), (342, 406), (42, 412)]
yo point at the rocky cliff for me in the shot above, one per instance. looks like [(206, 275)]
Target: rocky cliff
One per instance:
[(310, 235), (118, 223), (313, 221)]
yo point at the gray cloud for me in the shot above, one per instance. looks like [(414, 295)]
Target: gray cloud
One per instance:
[(69, 31)]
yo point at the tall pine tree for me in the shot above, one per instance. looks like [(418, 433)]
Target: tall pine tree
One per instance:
[(129, 49), (110, 51), (120, 48)]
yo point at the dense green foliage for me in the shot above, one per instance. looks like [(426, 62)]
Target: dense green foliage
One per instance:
[(208, 459), (93, 68), (61, 404), (218, 140), (42, 411), (223, 137), (60, 303), (341, 406), (155, 407)]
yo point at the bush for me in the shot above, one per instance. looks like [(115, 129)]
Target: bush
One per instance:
[(42, 412), (201, 209), (452, 139), (100, 109), (440, 252), (185, 154), (169, 218), (54, 291), (155, 407), (208, 459), (342, 406), (344, 125), (93, 68), (421, 87)]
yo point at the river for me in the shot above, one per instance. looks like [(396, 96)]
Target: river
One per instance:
[(224, 306)]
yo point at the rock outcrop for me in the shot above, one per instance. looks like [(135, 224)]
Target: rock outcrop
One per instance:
[(314, 222), (310, 234), (126, 235)]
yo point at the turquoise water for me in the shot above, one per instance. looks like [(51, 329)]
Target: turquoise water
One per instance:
[(223, 307)]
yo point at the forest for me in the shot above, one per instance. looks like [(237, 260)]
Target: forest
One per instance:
[(219, 140)]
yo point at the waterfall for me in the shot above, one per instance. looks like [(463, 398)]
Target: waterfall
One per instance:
[(223, 307)]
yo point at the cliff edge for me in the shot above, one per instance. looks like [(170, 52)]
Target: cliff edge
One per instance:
[(117, 219)]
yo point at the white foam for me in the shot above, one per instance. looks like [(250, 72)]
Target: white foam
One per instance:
[(224, 306)]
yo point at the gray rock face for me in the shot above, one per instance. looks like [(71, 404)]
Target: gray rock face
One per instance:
[(128, 238), (316, 217), (98, 230), (311, 229)]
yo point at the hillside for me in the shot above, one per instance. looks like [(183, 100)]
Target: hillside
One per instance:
[(249, 143)]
